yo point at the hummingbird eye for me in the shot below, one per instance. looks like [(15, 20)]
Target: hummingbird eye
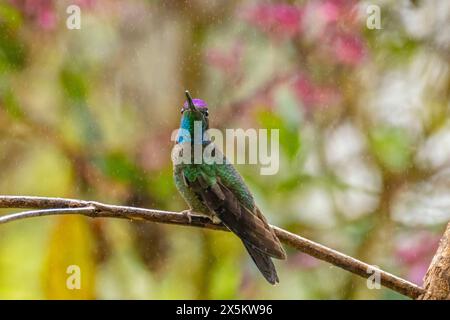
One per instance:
[(206, 113)]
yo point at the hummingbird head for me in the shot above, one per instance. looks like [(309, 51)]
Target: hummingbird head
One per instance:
[(194, 111), (194, 104), (195, 107)]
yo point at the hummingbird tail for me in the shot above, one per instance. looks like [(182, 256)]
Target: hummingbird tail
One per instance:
[(263, 262)]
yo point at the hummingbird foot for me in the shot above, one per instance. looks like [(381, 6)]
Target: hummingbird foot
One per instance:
[(215, 219), (187, 214)]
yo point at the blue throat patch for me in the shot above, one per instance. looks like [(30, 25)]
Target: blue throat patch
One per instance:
[(190, 132)]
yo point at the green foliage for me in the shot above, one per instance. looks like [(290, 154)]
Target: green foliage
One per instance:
[(289, 135), (74, 83), (11, 105), (392, 147), (116, 165), (12, 48), (9, 16), (12, 51), (75, 86)]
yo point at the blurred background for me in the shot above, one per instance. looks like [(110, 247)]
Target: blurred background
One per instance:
[(364, 140)]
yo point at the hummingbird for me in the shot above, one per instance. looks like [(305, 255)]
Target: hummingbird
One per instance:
[(218, 191)]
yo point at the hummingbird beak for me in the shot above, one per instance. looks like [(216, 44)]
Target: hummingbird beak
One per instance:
[(190, 103)]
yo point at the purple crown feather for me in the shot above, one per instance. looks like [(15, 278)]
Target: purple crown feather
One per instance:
[(199, 103)]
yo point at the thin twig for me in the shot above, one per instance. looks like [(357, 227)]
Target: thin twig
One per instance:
[(57, 206), (45, 212)]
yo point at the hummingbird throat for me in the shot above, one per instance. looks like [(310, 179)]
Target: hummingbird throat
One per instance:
[(198, 144), (193, 132)]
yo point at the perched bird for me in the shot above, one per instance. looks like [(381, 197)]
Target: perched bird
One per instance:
[(218, 191)]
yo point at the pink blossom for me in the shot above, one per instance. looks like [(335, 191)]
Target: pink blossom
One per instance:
[(41, 12), (337, 35), (415, 252), (228, 62), (417, 247), (330, 11), (303, 260), (46, 19), (306, 91), (348, 49), (337, 11), (282, 21), (417, 272), (313, 95)]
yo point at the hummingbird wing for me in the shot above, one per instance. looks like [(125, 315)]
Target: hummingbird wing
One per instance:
[(223, 191), (263, 262), (247, 223)]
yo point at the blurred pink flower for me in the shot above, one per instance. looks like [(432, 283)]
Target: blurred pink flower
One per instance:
[(331, 11), (348, 49), (417, 247), (281, 21), (303, 261), (338, 34), (415, 252), (313, 95), (46, 19), (305, 90), (228, 62), (417, 272), (41, 12)]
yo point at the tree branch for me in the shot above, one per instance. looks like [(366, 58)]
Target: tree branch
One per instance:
[(437, 279), (57, 206)]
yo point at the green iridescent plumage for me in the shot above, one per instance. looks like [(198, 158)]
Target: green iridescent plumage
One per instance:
[(218, 191)]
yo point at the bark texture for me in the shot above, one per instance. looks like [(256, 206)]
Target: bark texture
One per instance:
[(437, 279)]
